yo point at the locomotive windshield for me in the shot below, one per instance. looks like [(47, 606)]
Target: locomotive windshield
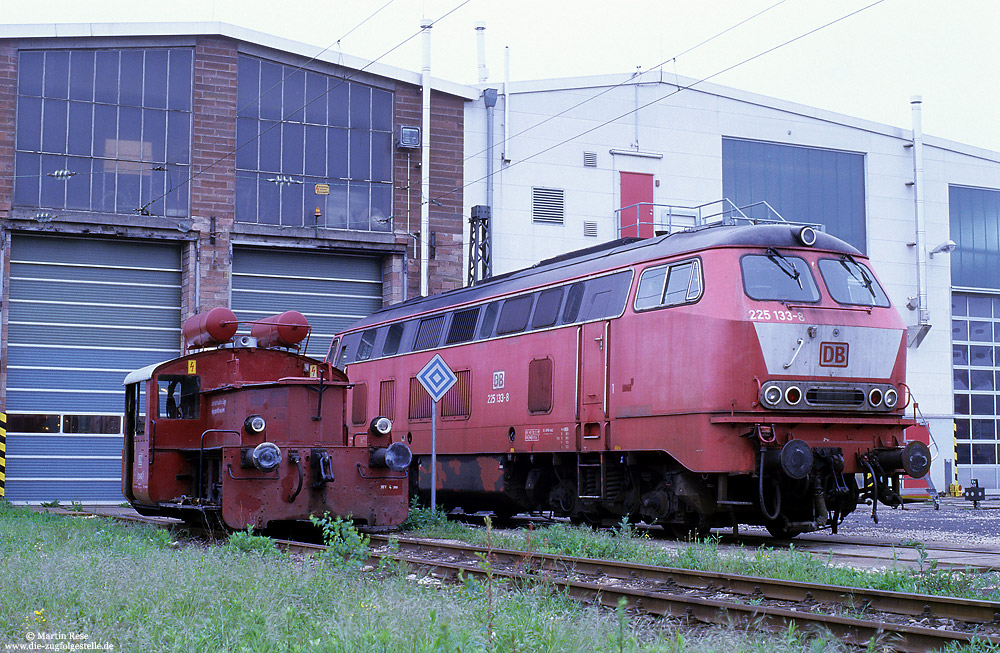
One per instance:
[(849, 282), (774, 276)]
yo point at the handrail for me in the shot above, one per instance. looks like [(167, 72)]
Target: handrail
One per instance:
[(697, 217)]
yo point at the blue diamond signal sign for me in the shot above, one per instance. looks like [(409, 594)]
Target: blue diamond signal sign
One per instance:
[(436, 377)]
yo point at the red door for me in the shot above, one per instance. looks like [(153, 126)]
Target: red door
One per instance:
[(637, 221), (593, 384)]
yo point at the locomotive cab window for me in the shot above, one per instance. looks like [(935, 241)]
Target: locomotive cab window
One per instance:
[(850, 282), (178, 396), (547, 308), (778, 277), (669, 285)]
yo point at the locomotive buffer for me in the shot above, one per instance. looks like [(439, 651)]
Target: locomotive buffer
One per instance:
[(437, 378)]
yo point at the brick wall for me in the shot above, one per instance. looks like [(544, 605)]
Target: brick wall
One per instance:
[(8, 104), (213, 184), (445, 270)]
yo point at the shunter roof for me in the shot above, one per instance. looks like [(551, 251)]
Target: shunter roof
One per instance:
[(609, 256)]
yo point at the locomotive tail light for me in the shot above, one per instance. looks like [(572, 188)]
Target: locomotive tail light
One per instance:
[(380, 426), (793, 395), (255, 424), (875, 397), (771, 395), (891, 398), (397, 457), (266, 456)]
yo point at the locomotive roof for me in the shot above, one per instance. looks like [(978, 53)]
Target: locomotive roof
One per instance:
[(610, 256)]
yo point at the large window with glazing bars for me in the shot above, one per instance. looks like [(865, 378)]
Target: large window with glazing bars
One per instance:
[(104, 130), (313, 150)]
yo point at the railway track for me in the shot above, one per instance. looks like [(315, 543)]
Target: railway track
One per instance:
[(906, 622)]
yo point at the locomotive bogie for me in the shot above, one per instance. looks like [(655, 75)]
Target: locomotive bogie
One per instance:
[(721, 376)]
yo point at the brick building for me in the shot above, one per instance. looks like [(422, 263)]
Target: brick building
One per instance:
[(148, 172)]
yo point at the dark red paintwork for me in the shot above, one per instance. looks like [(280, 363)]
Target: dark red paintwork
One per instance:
[(301, 400), (674, 391)]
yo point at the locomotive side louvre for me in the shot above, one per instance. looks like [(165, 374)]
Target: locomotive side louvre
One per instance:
[(244, 435), (692, 380)]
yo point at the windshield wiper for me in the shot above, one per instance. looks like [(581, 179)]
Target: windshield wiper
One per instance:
[(784, 265), (865, 280)]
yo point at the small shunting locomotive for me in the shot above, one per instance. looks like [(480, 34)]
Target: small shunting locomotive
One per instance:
[(246, 431)]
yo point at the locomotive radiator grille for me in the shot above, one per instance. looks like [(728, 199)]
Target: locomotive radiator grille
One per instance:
[(827, 396)]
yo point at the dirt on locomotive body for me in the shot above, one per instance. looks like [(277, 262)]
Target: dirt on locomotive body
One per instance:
[(735, 374), (247, 432)]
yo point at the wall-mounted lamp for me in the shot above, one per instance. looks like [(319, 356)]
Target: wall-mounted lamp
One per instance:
[(944, 248)]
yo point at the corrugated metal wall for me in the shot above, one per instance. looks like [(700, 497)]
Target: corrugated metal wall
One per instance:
[(82, 314), (331, 290)]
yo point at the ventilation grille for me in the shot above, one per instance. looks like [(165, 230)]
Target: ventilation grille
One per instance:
[(590, 229), (590, 159), (835, 397), (387, 399), (547, 205), (420, 401), (457, 402)]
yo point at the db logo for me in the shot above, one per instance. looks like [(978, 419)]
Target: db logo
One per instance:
[(498, 380), (833, 354)]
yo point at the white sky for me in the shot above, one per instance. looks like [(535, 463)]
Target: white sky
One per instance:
[(867, 65)]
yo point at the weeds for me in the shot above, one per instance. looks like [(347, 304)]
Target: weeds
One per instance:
[(346, 546), (247, 542)]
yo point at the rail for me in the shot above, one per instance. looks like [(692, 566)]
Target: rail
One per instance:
[(640, 219)]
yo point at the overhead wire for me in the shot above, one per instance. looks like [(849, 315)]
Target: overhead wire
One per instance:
[(667, 95), (632, 79)]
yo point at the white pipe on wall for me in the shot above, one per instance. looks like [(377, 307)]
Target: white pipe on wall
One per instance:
[(425, 159), (923, 313)]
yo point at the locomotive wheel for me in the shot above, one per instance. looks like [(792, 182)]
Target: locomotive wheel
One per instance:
[(779, 529)]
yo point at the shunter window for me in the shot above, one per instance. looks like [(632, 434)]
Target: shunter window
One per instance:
[(774, 276), (178, 396)]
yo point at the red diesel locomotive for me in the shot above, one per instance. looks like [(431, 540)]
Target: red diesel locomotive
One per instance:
[(249, 433), (723, 375)]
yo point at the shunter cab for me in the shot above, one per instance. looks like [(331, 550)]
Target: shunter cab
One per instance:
[(249, 432)]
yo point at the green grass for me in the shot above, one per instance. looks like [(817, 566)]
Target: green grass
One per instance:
[(627, 544), (139, 589)]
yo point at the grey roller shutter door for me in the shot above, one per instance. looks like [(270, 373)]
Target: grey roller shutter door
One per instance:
[(331, 290), (82, 314)]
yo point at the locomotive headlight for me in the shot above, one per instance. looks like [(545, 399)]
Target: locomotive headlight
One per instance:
[(266, 456), (255, 424), (891, 398), (875, 397), (381, 426), (771, 395), (793, 395)]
